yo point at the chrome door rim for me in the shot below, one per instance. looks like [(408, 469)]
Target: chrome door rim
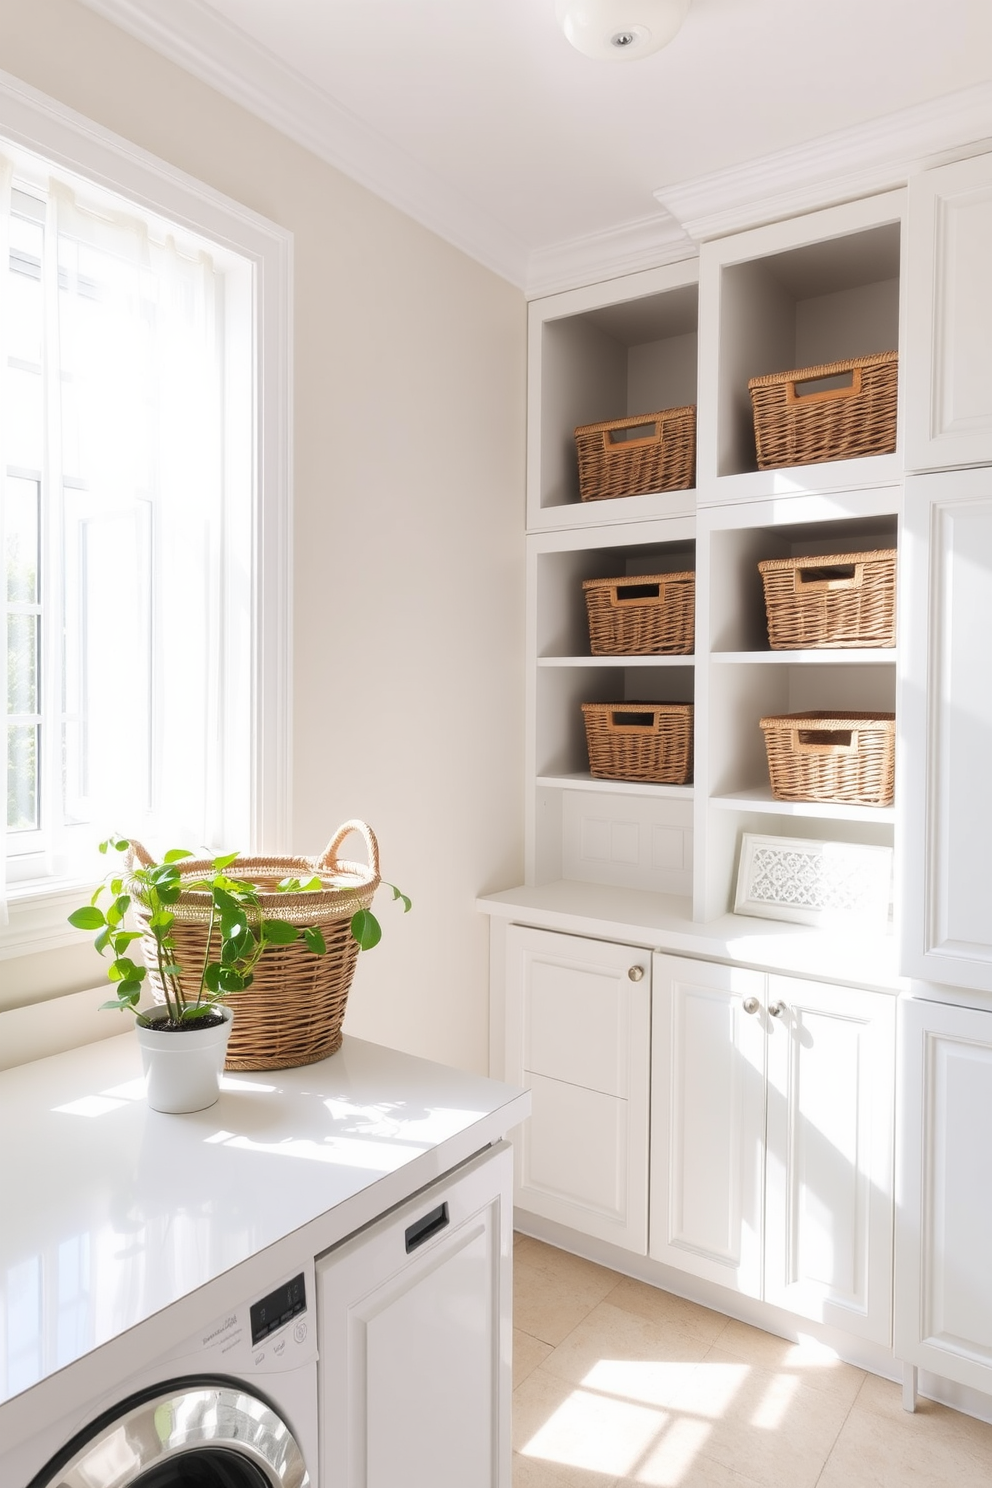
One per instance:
[(179, 1419)]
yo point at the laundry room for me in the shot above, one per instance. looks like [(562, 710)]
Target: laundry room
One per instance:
[(410, 411)]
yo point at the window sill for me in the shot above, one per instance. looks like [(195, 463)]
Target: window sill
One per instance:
[(37, 916)]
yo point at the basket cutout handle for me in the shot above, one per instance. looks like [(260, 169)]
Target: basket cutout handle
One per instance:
[(835, 576), (824, 394), (623, 593), (138, 856), (639, 722), (614, 446), (825, 741), (329, 856)]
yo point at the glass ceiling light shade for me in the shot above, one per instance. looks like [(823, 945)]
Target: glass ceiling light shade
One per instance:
[(613, 30)]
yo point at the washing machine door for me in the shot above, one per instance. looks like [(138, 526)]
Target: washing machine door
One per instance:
[(188, 1435)]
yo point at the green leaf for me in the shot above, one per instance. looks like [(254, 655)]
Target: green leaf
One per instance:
[(315, 940), (226, 903), (197, 1010), (233, 924), (118, 909), (225, 862), (289, 886), (176, 855), (169, 893), (280, 932), (231, 980), (171, 970), (103, 940), (121, 1004), (129, 992), (124, 970), (161, 920), (365, 928), (122, 939), (88, 918), (399, 894)]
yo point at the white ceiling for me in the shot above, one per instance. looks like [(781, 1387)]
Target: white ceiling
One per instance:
[(479, 118)]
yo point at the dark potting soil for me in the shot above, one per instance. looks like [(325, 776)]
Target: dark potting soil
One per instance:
[(169, 1025)]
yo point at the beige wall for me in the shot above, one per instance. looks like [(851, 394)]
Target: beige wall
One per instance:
[(409, 410)]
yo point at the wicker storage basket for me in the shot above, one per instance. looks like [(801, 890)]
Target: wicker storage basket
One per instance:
[(643, 615), (662, 460), (796, 428), (843, 600), (832, 757), (292, 1012), (640, 741)]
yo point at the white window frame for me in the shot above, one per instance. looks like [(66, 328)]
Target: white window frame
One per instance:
[(36, 915)]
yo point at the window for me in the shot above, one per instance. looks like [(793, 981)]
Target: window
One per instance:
[(143, 514)]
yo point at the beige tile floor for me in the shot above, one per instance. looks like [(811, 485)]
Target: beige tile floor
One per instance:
[(617, 1384)]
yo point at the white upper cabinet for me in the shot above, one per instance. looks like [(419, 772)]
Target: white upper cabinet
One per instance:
[(945, 707), (949, 328)]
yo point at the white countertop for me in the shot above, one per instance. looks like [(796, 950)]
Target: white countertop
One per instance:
[(110, 1212), (664, 922)]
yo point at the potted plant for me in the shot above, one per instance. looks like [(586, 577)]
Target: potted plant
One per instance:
[(275, 939)]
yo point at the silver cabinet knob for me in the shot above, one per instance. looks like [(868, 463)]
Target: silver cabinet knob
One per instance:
[(776, 1009), (751, 1004), (636, 973)]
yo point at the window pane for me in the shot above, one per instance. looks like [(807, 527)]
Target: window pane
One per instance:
[(21, 540), (22, 664), (22, 777), (23, 422), (24, 292)]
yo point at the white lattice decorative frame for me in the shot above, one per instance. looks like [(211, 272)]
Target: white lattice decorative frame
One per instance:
[(811, 882)]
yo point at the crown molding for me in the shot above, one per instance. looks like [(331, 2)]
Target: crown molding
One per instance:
[(834, 167), (224, 57), (644, 244)]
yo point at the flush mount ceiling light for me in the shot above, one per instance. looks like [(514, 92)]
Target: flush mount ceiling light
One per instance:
[(613, 30)]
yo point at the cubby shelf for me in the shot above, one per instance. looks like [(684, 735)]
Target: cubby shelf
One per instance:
[(615, 661), (761, 799), (847, 656), (585, 781)]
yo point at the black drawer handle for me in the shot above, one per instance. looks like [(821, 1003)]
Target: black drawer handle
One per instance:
[(426, 1227)]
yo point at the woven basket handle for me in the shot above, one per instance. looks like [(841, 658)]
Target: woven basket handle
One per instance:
[(650, 593), (803, 585), (329, 856), (629, 723), (613, 446), (824, 395), (137, 856), (847, 742)]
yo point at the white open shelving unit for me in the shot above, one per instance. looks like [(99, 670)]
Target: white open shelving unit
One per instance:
[(799, 293)]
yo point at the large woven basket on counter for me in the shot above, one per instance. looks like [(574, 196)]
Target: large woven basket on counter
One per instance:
[(835, 600), (614, 461), (642, 615), (292, 1012), (820, 756), (795, 425), (640, 741)]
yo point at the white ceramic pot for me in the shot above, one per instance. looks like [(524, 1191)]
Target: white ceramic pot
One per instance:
[(183, 1069)]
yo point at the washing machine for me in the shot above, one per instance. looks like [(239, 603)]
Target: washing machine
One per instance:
[(233, 1407)]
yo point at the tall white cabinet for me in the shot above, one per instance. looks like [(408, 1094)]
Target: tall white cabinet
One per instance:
[(769, 1102)]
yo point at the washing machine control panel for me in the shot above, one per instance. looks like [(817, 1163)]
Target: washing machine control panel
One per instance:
[(272, 1334), (278, 1308)]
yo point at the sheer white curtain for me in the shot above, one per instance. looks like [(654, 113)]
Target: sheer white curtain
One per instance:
[(6, 173), (130, 483)]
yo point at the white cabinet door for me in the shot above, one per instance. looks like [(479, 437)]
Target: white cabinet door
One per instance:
[(948, 360), (943, 1317), (578, 1016), (415, 1337), (708, 1121), (828, 1205), (945, 707)]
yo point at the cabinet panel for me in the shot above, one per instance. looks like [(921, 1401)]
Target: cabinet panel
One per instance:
[(949, 361), (828, 1208), (944, 1237), (707, 1132), (576, 1149), (415, 1341), (947, 716), (578, 1034)]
